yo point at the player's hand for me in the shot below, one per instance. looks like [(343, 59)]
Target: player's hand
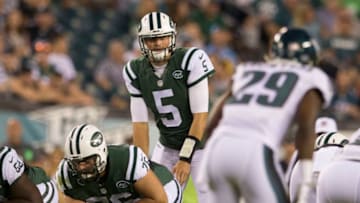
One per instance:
[(181, 171)]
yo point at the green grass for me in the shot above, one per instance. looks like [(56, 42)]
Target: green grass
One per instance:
[(189, 195)]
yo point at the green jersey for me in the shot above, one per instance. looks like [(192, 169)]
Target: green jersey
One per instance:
[(11, 168), (37, 175), (167, 96), (126, 164)]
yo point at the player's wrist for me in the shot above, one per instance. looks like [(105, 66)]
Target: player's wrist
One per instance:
[(306, 166), (188, 148)]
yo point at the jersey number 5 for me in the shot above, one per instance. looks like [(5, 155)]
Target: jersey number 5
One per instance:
[(165, 110), (280, 83)]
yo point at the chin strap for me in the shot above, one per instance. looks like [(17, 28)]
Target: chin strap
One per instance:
[(188, 148)]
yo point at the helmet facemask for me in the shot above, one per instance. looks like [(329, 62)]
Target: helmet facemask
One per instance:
[(90, 173), (153, 25)]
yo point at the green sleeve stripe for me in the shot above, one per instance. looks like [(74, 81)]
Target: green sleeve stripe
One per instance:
[(133, 165), (328, 137), (4, 151), (129, 72), (187, 57), (201, 78)]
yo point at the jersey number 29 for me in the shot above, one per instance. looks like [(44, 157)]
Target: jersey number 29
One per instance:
[(278, 87)]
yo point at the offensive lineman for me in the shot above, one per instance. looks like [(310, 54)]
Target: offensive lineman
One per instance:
[(339, 181), (241, 157), (94, 172), (172, 83)]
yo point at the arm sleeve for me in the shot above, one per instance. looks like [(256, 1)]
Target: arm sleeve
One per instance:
[(12, 166), (138, 165), (130, 78), (62, 177), (138, 109), (199, 97), (198, 63)]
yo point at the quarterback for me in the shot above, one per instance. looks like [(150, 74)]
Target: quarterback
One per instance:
[(172, 83)]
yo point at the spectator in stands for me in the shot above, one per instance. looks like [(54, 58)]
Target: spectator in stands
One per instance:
[(60, 90), (220, 45), (69, 93), (24, 85), (15, 33), (45, 26), (346, 102), (209, 17), (190, 35), (344, 43), (14, 135), (108, 76), (60, 59)]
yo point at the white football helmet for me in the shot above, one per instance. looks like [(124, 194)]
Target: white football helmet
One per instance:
[(156, 24), (83, 142), (330, 139)]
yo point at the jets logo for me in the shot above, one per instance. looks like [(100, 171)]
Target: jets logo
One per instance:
[(96, 139), (122, 184), (178, 74)]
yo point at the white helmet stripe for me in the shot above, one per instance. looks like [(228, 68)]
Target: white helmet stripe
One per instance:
[(77, 138)]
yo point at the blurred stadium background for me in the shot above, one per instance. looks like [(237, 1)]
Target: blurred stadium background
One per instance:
[(61, 60)]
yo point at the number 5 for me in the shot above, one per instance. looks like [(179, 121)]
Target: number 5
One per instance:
[(167, 109)]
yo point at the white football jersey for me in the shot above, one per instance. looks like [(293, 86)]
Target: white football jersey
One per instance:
[(266, 96), (12, 167)]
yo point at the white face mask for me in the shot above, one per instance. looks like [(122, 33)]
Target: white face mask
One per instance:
[(159, 56)]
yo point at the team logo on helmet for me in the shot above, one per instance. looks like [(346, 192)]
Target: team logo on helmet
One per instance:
[(96, 139)]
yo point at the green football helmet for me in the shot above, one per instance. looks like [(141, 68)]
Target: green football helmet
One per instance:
[(295, 44)]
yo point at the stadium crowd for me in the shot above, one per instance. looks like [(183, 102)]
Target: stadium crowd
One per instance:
[(72, 52)]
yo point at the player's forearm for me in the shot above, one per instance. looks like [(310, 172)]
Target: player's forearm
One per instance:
[(198, 125), (216, 114), (141, 136)]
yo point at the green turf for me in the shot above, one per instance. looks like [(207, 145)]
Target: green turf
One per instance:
[(190, 193)]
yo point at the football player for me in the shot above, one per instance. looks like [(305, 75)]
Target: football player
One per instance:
[(173, 84), (43, 182), (327, 146), (94, 172), (339, 181), (322, 125), (15, 185), (252, 118)]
